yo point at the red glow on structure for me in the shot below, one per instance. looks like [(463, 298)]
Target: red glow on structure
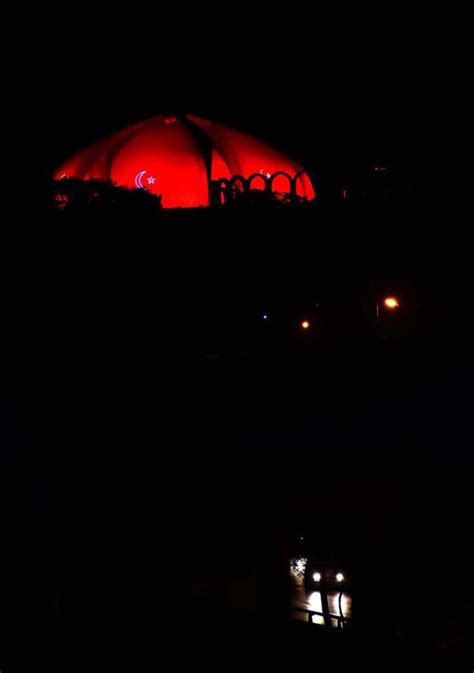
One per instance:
[(167, 156), (258, 182), (219, 167), (170, 157)]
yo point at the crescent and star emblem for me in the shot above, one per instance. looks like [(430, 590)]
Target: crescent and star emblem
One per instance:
[(139, 180)]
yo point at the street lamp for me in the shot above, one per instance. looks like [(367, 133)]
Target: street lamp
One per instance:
[(391, 303), (305, 324), (388, 303)]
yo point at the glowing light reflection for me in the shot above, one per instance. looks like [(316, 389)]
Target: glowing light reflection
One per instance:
[(298, 567)]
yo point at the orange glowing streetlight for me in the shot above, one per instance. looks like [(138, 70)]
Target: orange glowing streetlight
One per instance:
[(305, 324), (389, 303)]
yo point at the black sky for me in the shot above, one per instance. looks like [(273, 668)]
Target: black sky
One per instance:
[(333, 99)]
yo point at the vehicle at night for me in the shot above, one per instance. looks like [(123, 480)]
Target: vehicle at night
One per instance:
[(331, 576)]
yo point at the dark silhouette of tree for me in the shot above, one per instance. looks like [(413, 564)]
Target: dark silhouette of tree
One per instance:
[(74, 197), (263, 198)]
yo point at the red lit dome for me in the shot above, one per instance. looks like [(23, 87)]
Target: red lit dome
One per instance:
[(182, 158)]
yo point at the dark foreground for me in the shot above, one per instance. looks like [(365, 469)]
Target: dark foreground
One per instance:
[(161, 448)]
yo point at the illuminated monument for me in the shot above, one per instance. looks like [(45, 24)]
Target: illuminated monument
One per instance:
[(190, 162)]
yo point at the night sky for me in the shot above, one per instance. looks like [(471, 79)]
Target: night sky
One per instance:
[(338, 105)]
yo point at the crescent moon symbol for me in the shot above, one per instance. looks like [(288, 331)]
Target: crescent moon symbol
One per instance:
[(138, 180)]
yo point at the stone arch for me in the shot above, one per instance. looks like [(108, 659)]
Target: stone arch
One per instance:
[(238, 186), (258, 176), (221, 188), (300, 189), (278, 180)]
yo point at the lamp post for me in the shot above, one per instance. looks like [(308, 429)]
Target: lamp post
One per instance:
[(389, 303)]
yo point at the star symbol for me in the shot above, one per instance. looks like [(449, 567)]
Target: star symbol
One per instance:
[(151, 180)]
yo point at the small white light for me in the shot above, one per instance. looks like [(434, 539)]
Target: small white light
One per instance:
[(301, 565), (340, 577), (317, 577), (265, 316)]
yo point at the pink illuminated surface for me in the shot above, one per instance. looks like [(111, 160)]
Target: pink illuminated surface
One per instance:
[(167, 156)]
